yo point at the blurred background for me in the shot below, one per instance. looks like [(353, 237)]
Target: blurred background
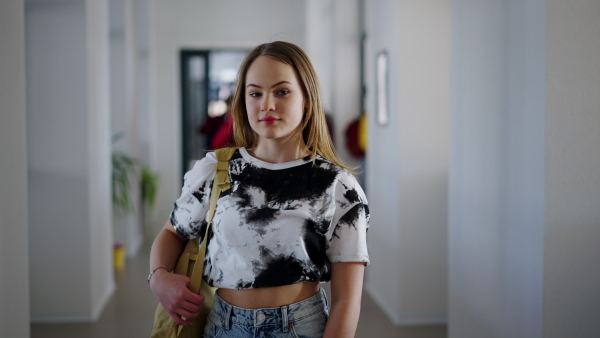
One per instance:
[(474, 122)]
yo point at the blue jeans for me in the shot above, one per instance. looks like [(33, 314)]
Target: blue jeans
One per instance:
[(306, 318)]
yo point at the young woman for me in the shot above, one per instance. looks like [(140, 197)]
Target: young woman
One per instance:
[(294, 216)]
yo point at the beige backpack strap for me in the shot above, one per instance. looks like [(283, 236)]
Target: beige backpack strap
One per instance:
[(221, 183)]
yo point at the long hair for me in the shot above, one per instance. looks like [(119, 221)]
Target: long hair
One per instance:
[(314, 125)]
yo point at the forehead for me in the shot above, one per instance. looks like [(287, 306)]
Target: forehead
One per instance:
[(267, 69)]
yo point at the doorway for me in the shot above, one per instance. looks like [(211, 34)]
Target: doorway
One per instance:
[(208, 78)]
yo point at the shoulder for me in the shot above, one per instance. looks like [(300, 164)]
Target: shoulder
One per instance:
[(207, 162), (202, 170), (351, 189), (346, 184), (341, 173)]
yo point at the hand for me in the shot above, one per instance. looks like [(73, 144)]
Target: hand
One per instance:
[(172, 292)]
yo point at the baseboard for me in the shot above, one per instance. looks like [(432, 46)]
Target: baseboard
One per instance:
[(53, 319), (422, 321), (101, 304), (398, 320), (79, 318)]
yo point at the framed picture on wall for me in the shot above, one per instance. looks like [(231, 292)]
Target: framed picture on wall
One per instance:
[(382, 88)]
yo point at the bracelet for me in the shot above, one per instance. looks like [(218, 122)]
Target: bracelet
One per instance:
[(153, 271)]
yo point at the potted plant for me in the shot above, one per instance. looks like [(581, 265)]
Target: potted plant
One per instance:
[(126, 170)]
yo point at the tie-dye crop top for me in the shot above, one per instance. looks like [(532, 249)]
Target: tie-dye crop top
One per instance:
[(279, 224)]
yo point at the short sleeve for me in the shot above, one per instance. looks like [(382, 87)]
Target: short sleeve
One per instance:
[(347, 236), (190, 210)]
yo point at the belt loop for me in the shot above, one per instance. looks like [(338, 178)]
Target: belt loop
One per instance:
[(324, 297), (228, 314), (284, 319)]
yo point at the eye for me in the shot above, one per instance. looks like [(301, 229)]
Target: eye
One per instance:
[(254, 94), (283, 92)]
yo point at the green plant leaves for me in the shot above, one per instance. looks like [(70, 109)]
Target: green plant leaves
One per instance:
[(124, 169)]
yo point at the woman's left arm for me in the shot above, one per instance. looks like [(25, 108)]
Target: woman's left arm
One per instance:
[(346, 292)]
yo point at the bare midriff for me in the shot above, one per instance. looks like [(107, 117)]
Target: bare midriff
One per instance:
[(269, 297)]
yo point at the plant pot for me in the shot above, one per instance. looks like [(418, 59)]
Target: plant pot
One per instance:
[(119, 254)]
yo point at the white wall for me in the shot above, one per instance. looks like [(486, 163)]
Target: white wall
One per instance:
[(382, 181), (142, 29), (496, 206), (319, 42), (14, 253), (127, 112), (407, 160), (524, 183), (68, 139), (202, 25), (333, 42), (345, 63), (99, 172), (572, 190)]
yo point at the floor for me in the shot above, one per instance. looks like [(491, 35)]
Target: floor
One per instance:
[(130, 312)]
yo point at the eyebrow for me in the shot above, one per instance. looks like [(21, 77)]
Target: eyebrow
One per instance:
[(273, 86)]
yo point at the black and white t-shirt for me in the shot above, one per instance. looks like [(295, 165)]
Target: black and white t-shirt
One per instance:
[(279, 224)]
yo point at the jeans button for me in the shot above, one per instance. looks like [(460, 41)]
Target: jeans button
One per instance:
[(260, 318)]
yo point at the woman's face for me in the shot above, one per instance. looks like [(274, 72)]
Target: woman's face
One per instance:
[(274, 99)]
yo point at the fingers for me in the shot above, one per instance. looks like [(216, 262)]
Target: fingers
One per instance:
[(184, 295), (172, 292), (186, 306), (180, 320), (194, 298), (184, 315), (189, 310)]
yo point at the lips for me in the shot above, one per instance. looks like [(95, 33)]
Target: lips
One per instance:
[(269, 120)]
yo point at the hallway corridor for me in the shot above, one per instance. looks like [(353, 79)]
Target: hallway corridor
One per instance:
[(130, 311)]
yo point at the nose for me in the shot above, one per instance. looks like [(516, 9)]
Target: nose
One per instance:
[(268, 104)]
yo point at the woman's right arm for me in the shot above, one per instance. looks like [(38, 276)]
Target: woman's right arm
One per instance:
[(170, 289)]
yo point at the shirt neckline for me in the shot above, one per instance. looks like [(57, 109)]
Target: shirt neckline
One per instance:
[(273, 166)]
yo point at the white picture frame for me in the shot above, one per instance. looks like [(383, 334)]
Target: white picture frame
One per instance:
[(382, 88)]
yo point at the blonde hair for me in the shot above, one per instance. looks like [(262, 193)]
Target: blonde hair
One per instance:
[(314, 125)]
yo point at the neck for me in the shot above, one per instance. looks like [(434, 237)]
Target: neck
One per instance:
[(279, 151)]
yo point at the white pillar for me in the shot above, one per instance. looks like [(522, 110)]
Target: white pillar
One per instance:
[(407, 159), (333, 40), (14, 256), (126, 114), (524, 182), (572, 190), (69, 168), (345, 63), (496, 182)]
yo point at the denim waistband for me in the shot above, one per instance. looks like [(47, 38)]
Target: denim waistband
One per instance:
[(269, 316)]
